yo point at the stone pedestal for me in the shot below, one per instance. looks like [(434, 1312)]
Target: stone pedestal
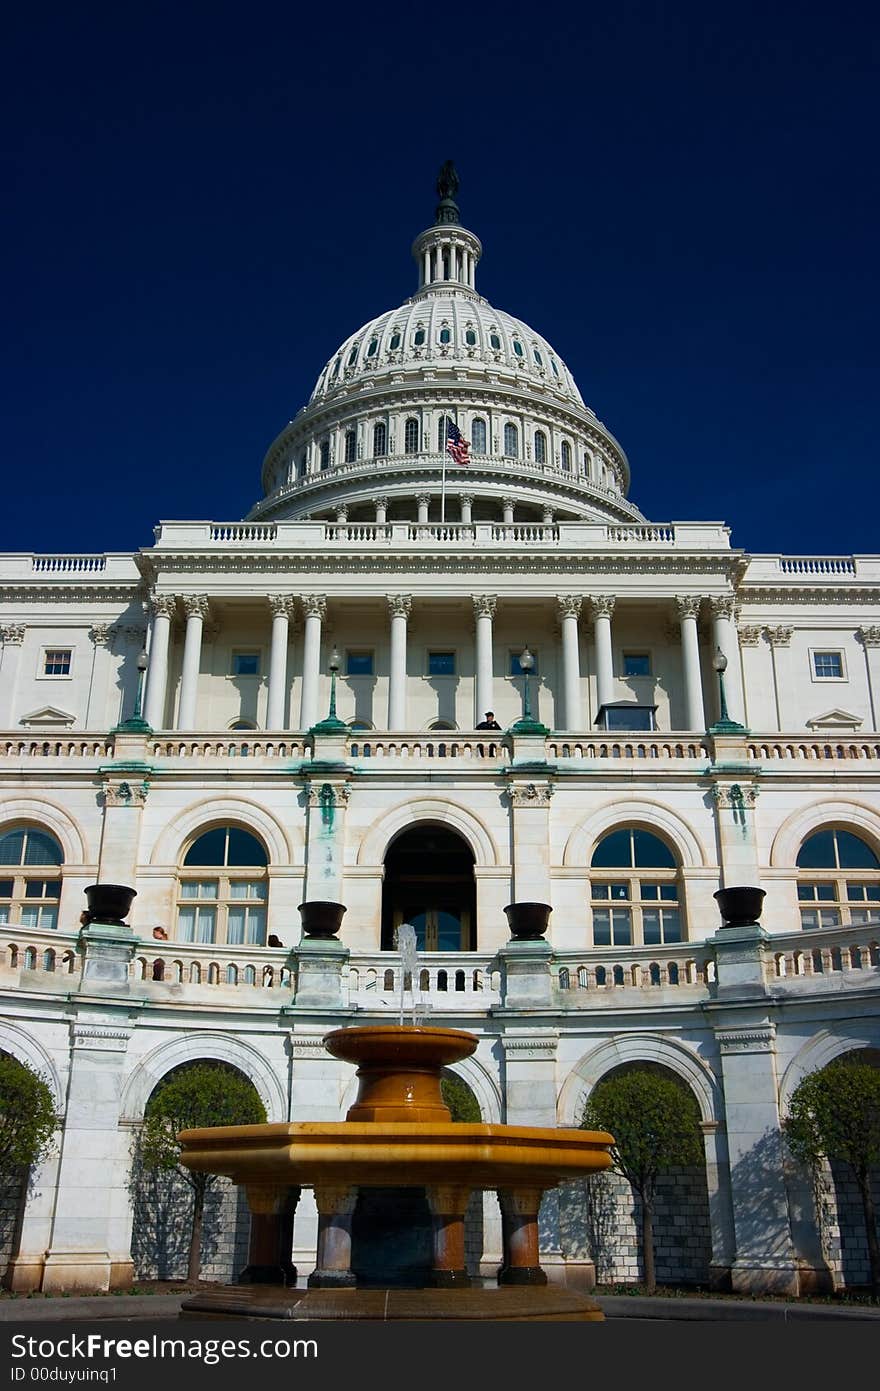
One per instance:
[(526, 981), (320, 963), (108, 951)]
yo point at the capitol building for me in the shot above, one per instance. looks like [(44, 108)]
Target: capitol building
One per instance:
[(249, 716)]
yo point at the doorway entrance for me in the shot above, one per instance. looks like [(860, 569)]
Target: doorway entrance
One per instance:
[(429, 882)]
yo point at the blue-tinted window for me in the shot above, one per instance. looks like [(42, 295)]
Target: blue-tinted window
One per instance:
[(359, 664), (516, 670), (445, 335), (540, 447), (380, 439), (245, 664), (373, 348), (495, 342), (470, 338), (419, 337), (632, 849), (828, 665), (350, 446), (636, 664), (226, 845), (29, 847), (395, 341), (478, 436), (511, 440), (324, 454), (352, 357), (441, 663), (517, 347), (538, 358), (411, 437), (565, 455), (836, 850)]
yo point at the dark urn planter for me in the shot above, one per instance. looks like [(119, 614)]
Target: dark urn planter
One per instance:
[(109, 903), (321, 919), (740, 906), (528, 920)]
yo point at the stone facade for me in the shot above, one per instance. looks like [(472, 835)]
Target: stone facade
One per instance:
[(428, 580)]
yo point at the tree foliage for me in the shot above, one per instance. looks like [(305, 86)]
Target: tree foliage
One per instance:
[(27, 1118), (192, 1097), (655, 1122), (462, 1103), (835, 1115)]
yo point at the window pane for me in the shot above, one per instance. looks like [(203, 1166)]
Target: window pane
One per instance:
[(669, 893), (42, 849), (30, 915), (256, 927), (244, 849), (6, 887), (246, 888), (359, 664), (649, 852), (622, 927), (186, 924), (601, 891), (245, 663), (650, 891), (209, 849), (613, 851), (602, 927), (853, 853), (11, 848), (828, 664), (235, 926), (651, 926), (4, 912), (206, 924), (441, 663), (817, 852), (671, 925), (636, 664), (49, 918)]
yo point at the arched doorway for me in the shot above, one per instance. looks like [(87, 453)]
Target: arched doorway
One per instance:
[(429, 882)]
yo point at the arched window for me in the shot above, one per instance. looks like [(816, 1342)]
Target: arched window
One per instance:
[(495, 342), (511, 441), (373, 347), (838, 879), (554, 367), (227, 904), (540, 447), (335, 373), (30, 877), (634, 890), (470, 338), (539, 361), (380, 439), (445, 336), (325, 454), (419, 338), (518, 348), (565, 455), (411, 436), (352, 357), (350, 446), (395, 341), (478, 436)]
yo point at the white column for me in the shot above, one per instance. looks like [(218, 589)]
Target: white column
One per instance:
[(399, 607), (12, 637), (466, 501), (688, 607), (424, 501), (569, 608), (602, 607), (870, 639), (507, 511), (196, 609), (381, 505), (281, 606), (315, 610), (725, 636), (484, 612), (99, 681), (164, 607), (780, 647)]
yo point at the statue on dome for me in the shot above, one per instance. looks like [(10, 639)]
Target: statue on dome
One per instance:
[(447, 181)]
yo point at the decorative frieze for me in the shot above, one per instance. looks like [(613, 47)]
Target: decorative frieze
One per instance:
[(308, 1046), (97, 1038), (523, 1049)]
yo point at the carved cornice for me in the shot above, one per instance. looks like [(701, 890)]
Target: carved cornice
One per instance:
[(844, 596), (99, 1039), (546, 558), (69, 594), (307, 1045), (757, 1040), (399, 605)]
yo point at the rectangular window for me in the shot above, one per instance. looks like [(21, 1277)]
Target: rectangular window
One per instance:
[(515, 669), (359, 664), (612, 927), (636, 664), (57, 661), (819, 917), (828, 666), (245, 664), (816, 893), (660, 925), (441, 663), (863, 893)]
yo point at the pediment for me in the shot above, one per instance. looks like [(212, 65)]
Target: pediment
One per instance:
[(835, 719), (48, 716)]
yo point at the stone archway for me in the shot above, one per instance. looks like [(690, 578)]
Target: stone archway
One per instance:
[(429, 882)]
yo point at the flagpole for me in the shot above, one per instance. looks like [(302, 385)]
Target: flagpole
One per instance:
[(443, 479)]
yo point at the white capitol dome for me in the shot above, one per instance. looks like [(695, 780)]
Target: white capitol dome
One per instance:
[(371, 441)]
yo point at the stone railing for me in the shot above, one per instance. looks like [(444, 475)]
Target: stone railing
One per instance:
[(800, 569), (200, 964), (448, 981), (770, 747), (412, 747), (622, 535), (16, 746), (250, 532), (69, 564), (237, 744), (52, 956), (632, 746), (844, 953), (585, 978)]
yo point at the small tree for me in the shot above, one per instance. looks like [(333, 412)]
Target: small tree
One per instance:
[(197, 1095), (27, 1118), (835, 1115), (655, 1122), (463, 1105)]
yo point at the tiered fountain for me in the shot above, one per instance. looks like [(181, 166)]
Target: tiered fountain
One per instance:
[(399, 1134)]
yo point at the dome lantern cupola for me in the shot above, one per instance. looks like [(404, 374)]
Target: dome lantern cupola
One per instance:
[(447, 253)]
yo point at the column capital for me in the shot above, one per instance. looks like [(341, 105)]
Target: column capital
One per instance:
[(602, 605), (380, 502), (687, 606), (423, 499), (335, 1200), (196, 605), (870, 636), (399, 605), (314, 605), (508, 501), (568, 606), (282, 605), (163, 605), (12, 634), (779, 636), (484, 605), (750, 635), (102, 634), (466, 498), (723, 606)]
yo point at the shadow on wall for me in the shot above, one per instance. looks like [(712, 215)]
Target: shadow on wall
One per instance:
[(14, 1193), (162, 1211)]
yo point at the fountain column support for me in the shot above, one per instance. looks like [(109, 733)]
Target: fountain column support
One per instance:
[(336, 1205), (448, 1204), (519, 1228), (272, 1210)]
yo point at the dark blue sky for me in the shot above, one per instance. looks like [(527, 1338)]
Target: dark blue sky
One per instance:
[(206, 198)]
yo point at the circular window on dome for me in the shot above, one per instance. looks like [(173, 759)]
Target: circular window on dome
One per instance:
[(518, 347), (395, 341), (419, 337), (495, 342), (445, 335), (373, 348), (470, 338)]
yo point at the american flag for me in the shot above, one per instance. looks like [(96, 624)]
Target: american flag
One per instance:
[(456, 444)]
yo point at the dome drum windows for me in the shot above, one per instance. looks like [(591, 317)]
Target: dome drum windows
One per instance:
[(445, 337), (518, 349), (419, 337), (395, 341), (634, 891), (229, 905), (540, 447), (511, 441), (565, 456), (324, 454), (373, 347), (30, 880), (380, 439), (478, 436), (846, 888), (350, 449), (411, 436)]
